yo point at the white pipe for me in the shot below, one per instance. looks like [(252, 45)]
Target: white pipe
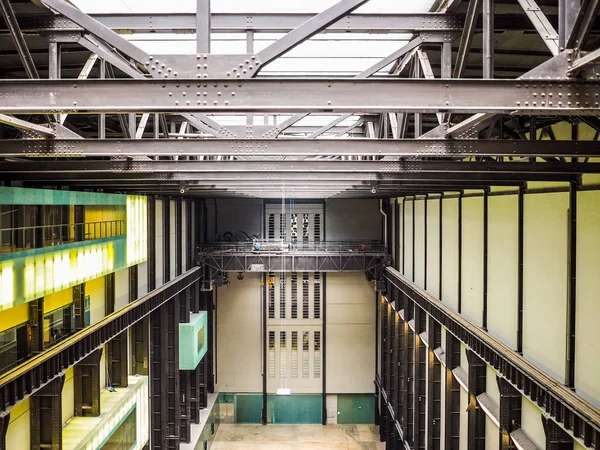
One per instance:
[(384, 222)]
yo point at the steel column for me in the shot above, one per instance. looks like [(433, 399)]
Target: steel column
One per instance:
[(572, 293), (520, 274), (87, 385), (488, 38), (324, 347), (476, 385), (510, 412), (203, 26), (452, 398), (46, 416)]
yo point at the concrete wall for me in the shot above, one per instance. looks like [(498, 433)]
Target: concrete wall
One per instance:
[(350, 334), (239, 331), (352, 219)]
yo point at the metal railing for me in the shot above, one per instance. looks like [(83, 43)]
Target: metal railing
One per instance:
[(25, 238), (281, 245)]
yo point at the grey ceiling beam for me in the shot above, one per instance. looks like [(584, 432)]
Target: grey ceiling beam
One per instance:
[(435, 148), (428, 166), (584, 21), (17, 35), (25, 125), (280, 22), (542, 25), (307, 30), (552, 97), (272, 178)]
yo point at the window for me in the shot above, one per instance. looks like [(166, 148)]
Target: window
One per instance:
[(317, 295), (305, 228), (271, 226), (294, 296), (282, 227), (305, 295), (305, 349), (317, 355), (282, 295), (13, 347), (124, 437), (282, 354), (317, 228), (58, 324), (271, 354), (294, 354), (271, 294)]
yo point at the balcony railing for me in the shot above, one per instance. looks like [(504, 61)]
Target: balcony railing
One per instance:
[(280, 245), (26, 238)]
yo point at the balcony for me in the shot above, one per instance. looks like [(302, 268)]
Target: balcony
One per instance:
[(27, 238), (279, 256)]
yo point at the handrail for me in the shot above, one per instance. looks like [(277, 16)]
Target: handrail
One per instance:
[(279, 245), (87, 332), (507, 362), (22, 238)]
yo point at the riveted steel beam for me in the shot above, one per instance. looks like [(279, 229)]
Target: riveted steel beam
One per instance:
[(548, 97), (295, 147)]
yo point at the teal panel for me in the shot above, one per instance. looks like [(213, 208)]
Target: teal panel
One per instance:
[(248, 408), (356, 409), (294, 409), (193, 339), (27, 196)]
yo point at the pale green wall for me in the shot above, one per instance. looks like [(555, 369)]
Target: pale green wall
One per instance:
[(96, 290), (450, 252), (419, 275), (545, 281), (121, 288), (587, 342), (18, 435), (531, 423), (472, 259), (503, 267), (68, 396), (433, 248)]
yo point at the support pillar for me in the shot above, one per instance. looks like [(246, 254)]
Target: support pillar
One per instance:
[(452, 409), (4, 421), (46, 416), (78, 306), (116, 356), (151, 261), (476, 385), (420, 382), (434, 388), (556, 437), (510, 412), (87, 386)]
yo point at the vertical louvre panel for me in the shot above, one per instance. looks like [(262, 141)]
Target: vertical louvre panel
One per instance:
[(305, 354), (282, 295), (294, 354), (271, 226), (271, 293), (305, 228), (271, 354), (294, 228), (317, 354), (317, 296), (294, 295), (317, 228), (282, 355), (282, 227), (305, 295)]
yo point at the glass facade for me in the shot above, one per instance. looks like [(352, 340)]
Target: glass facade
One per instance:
[(58, 325), (124, 437)]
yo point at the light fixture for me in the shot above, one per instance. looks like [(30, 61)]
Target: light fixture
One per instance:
[(284, 391)]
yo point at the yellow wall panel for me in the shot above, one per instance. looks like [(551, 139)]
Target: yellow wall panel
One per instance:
[(18, 435), (95, 289), (503, 267), (12, 317), (433, 247), (472, 259), (587, 343), (450, 252), (68, 396), (58, 300), (419, 274), (545, 281)]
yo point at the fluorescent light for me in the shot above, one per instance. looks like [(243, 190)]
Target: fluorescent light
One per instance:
[(284, 391)]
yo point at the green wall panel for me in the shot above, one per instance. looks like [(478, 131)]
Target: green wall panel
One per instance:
[(356, 408), (193, 338), (248, 408), (27, 196), (294, 409)]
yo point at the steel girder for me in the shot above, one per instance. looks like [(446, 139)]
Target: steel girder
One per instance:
[(296, 147), (40, 370), (570, 411), (547, 97), (268, 167), (293, 261), (256, 22)]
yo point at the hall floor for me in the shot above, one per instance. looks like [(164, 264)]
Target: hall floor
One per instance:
[(297, 437)]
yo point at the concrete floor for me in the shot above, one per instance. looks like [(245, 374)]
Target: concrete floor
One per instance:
[(297, 437)]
